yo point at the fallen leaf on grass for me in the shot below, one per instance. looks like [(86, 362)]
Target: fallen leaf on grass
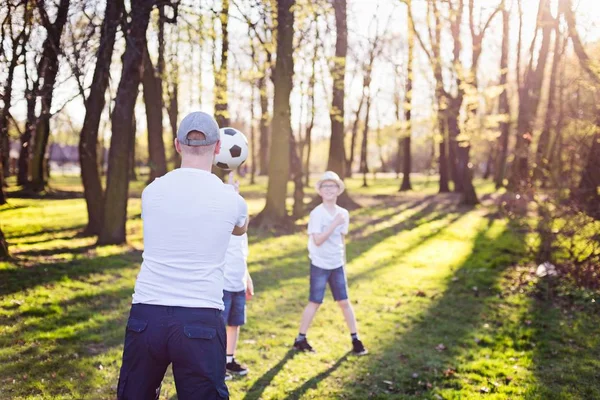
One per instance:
[(440, 347), (449, 372), (484, 389)]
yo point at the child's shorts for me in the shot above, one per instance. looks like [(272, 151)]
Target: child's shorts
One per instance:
[(234, 313), (319, 278)]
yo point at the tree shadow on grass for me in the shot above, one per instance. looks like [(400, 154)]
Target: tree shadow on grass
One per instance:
[(24, 278), (451, 319), (55, 354)]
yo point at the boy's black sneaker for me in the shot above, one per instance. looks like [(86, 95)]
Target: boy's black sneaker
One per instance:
[(235, 368), (358, 348), (302, 345)]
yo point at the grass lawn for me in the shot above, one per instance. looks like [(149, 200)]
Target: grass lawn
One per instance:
[(433, 285)]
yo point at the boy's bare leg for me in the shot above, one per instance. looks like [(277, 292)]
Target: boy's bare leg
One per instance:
[(232, 337), (348, 315), (307, 316)]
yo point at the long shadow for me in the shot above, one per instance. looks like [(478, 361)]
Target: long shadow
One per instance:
[(55, 250), (23, 278), (296, 263), (57, 366), (314, 381), (43, 231), (263, 382), (451, 319)]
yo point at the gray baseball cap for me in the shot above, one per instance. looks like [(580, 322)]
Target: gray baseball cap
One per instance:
[(201, 122)]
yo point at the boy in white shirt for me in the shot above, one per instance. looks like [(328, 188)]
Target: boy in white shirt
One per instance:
[(238, 288), (328, 224)]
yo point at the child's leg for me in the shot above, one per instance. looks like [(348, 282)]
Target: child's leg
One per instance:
[(318, 283), (307, 316), (232, 338), (348, 312), (339, 289)]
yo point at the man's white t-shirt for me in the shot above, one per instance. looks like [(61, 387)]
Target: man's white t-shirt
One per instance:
[(188, 215), (330, 254), (236, 279)]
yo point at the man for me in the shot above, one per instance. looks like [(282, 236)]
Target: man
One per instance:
[(189, 215)]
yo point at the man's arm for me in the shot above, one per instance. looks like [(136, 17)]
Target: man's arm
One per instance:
[(240, 230)]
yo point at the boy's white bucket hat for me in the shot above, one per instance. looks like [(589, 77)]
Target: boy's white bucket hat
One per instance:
[(330, 176)]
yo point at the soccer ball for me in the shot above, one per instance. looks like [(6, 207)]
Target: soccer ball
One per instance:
[(234, 149)]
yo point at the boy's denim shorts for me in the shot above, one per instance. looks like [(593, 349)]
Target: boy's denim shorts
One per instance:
[(319, 278), (235, 308)]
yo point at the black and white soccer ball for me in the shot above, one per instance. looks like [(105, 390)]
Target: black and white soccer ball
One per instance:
[(234, 149)]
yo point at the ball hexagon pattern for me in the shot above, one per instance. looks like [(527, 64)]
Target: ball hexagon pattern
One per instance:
[(234, 149)]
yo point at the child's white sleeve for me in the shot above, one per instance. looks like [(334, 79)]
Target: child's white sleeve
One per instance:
[(314, 223), (346, 225)]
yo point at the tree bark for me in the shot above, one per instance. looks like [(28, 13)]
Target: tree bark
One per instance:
[(153, 100), (337, 154), (4, 254), (47, 70), (221, 95), (296, 170), (587, 192), (88, 138), (18, 50), (503, 105), (115, 205), (541, 157), (354, 136), (275, 215), (364, 167), (529, 99), (264, 126), (406, 158)]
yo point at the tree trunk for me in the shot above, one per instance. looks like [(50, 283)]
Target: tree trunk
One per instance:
[(529, 99), (311, 102), (491, 160), (25, 152), (88, 138), (221, 95), (132, 173), (337, 154), (153, 100), (443, 162), (354, 136), (4, 254), (115, 206), (264, 126), (504, 105), (541, 157), (252, 136), (275, 214), (18, 49), (364, 167), (296, 170), (48, 70), (406, 158)]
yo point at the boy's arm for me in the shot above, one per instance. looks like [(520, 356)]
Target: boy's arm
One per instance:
[(320, 238), (249, 287), (344, 244)]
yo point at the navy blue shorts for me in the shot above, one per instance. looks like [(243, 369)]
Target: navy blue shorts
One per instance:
[(193, 339), (235, 308), (319, 278)]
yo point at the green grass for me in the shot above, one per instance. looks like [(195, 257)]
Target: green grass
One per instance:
[(433, 285)]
